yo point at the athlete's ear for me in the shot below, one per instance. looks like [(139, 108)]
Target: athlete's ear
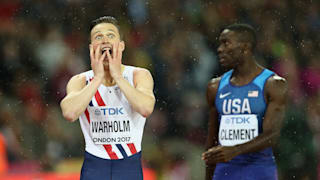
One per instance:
[(90, 45), (247, 47), (122, 45)]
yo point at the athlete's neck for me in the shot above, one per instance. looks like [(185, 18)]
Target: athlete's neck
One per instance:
[(246, 72), (248, 67), (108, 79)]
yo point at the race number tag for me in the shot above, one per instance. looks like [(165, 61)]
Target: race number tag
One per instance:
[(109, 125), (237, 129)]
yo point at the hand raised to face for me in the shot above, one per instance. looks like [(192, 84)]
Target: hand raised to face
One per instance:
[(97, 61), (115, 59)]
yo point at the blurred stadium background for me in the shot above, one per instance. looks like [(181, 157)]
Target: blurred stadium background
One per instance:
[(44, 42)]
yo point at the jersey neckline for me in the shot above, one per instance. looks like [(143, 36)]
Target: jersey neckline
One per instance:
[(240, 86), (125, 68)]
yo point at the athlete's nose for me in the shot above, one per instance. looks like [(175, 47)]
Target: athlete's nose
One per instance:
[(220, 49), (105, 40)]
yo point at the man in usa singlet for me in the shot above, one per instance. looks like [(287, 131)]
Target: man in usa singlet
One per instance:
[(111, 102), (247, 106)]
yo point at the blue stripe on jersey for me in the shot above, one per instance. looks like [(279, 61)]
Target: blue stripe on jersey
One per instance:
[(261, 79), (225, 79), (90, 104), (123, 152)]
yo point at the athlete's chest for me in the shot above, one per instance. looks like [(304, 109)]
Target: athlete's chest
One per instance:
[(240, 100)]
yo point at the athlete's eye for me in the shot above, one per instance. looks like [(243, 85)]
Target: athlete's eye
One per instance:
[(111, 36), (99, 37)]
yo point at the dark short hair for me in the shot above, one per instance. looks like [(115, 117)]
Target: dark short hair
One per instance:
[(248, 34), (105, 19)]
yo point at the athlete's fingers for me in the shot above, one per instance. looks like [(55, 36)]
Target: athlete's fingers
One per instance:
[(214, 150), (208, 155), (213, 155), (91, 53), (204, 157), (109, 55), (211, 160), (119, 52), (114, 50), (97, 52), (103, 56)]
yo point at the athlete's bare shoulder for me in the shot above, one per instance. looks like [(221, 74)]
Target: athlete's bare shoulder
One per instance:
[(141, 70), (214, 83), (78, 78), (276, 81), (77, 82), (142, 79), (212, 89), (140, 73), (276, 87)]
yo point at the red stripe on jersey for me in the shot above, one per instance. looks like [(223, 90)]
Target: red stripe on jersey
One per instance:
[(99, 99), (112, 154), (87, 115), (132, 148)]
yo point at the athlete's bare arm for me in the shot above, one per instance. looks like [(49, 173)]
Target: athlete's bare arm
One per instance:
[(212, 138), (141, 96), (78, 94), (276, 96)]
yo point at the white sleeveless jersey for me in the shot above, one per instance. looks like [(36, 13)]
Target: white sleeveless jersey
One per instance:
[(111, 128)]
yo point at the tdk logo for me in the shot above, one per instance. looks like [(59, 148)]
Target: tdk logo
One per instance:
[(112, 111), (97, 112), (238, 120)]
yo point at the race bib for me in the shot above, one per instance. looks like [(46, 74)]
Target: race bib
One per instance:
[(109, 125), (237, 129)]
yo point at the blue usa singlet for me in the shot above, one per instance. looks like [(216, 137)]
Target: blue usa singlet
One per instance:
[(241, 110)]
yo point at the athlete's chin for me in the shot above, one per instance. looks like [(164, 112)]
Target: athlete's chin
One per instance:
[(106, 61), (226, 66), (106, 64)]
